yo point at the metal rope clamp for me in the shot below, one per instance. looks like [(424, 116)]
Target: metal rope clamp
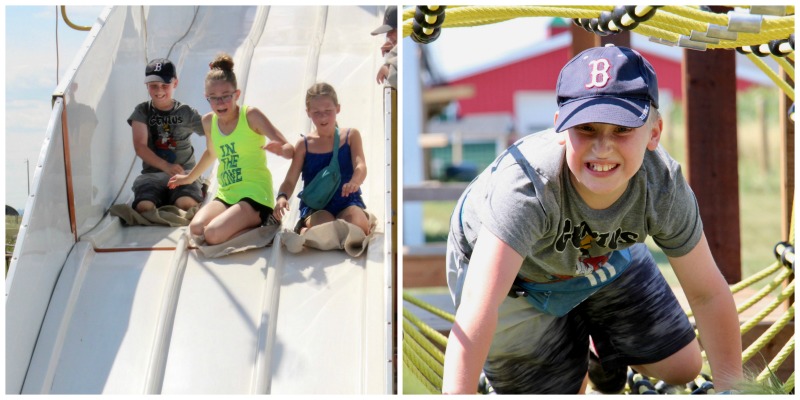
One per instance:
[(745, 23), (721, 32), (687, 42)]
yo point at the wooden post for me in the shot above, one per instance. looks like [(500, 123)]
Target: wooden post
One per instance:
[(787, 162), (620, 39), (582, 40), (709, 85)]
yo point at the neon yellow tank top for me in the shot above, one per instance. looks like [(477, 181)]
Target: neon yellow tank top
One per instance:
[(242, 170)]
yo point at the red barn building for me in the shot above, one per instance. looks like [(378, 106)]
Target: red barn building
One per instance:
[(523, 85)]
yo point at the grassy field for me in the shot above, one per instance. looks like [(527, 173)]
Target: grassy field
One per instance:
[(12, 227), (759, 187)]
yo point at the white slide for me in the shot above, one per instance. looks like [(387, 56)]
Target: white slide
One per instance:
[(96, 307)]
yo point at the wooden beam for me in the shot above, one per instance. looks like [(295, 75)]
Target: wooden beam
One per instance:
[(709, 84), (446, 94), (582, 40), (787, 162)]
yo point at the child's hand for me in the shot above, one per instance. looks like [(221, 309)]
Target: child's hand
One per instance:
[(274, 148), (174, 169), (178, 180), (281, 207), (349, 188), (383, 73)]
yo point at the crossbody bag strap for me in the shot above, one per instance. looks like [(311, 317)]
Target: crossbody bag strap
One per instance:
[(335, 155)]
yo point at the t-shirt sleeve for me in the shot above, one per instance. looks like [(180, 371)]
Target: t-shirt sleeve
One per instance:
[(678, 227), (512, 211), (197, 123), (139, 114)]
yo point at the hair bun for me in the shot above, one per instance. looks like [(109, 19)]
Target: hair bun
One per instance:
[(223, 61)]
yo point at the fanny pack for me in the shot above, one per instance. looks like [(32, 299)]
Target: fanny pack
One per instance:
[(559, 298), (319, 192)]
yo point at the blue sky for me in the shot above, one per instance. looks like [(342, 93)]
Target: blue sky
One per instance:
[(30, 79)]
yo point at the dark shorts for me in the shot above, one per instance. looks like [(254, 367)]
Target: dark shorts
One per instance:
[(634, 320), (153, 187), (264, 212)]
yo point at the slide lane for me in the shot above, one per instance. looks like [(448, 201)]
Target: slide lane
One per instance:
[(134, 310)]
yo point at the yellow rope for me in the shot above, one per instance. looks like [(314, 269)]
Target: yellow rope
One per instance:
[(423, 368), (784, 274), (420, 376), (768, 335), (753, 321), (755, 278), (787, 67), (783, 85), (789, 385), (782, 355), (681, 24), (437, 337), (670, 21), (419, 349), (429, 308), (695, 14), (764, 292), (418, 337)]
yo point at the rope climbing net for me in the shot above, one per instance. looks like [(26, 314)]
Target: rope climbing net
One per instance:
[(423, 346), (756, 31)]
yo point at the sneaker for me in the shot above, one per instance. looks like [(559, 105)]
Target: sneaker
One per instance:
[(609, 381)]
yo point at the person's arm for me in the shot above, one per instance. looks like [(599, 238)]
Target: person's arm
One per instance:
[(492, 270), (359, 164), (147, 154), (206, 160), (715, 313), (262, 125), (290, 181)]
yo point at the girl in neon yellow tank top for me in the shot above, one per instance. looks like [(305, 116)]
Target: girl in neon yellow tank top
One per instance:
[(237, 137)]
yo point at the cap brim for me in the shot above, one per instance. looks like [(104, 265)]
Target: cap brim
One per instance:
[(608, 110), (382, 29), (154, 78)]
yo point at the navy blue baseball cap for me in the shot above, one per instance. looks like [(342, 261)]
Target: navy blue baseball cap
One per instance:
[(159, 70), (612, 85)]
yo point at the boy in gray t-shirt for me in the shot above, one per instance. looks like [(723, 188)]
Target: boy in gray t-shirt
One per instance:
[(546, 256), (162, 128)]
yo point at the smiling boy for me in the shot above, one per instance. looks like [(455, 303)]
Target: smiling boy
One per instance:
[(162, 127), (546, 249)]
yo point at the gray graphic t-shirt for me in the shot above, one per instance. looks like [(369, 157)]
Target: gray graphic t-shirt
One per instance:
[(526, 199), (169, 132)]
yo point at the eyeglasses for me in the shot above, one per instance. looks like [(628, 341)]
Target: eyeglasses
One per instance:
[(220, 99)]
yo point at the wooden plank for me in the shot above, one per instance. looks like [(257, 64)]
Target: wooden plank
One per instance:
[(709, 82), (424, 270), (446, 94), (787, 162)]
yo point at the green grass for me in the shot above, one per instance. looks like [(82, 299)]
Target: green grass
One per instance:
[(12, 227)]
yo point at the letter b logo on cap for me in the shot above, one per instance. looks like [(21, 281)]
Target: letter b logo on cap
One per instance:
[(599, 73)]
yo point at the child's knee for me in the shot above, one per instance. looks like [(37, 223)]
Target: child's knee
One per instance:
[(677, 369), (185, 202), (214, 235), (196, 226), (144, 206)]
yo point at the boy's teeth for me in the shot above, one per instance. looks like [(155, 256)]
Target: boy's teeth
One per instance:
[(601, 168)]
